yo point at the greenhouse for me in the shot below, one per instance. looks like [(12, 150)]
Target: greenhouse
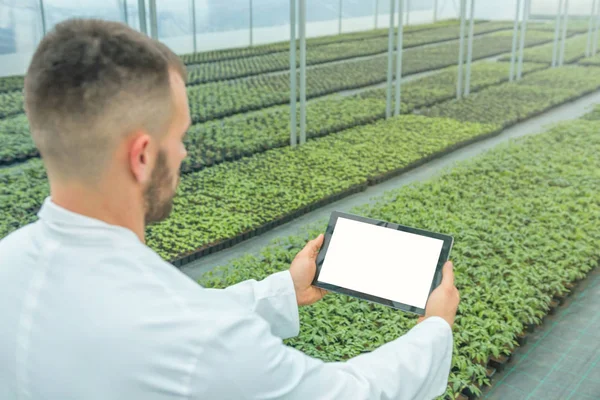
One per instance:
[(477, 121)]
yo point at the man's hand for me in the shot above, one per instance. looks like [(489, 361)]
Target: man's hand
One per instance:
[(443, 301), (303, 270)]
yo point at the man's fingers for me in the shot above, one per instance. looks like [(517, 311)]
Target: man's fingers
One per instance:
[(317, 243), (312, 248), (448, 274)]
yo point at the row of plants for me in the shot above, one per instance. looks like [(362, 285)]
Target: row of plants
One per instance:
[(592, 61), (256, 191), (220, 99), (503, 105), (230, 199), (11, 103), (441, 86), (415, 35), (243, 135), (593, 115), (430, 33), (248, 66), (11, 83), (509, 103), (526, 223), (16, 141), (574, 50), (239, 184), (241, 52)]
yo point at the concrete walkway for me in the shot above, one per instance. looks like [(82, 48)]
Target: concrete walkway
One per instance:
[(561, 360)]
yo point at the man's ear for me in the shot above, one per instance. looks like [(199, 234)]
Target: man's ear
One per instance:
[(139, 158)]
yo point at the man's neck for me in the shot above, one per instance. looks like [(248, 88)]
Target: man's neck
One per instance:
[(125, 210)]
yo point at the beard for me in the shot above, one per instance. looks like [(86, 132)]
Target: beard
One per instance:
[(159, 194)]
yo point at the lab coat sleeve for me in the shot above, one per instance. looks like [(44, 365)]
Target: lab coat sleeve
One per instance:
[(274, 299), (259, 366)]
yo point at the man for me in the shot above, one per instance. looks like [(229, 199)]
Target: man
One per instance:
[(89, 312)]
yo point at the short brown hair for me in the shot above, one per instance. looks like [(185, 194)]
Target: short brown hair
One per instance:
[(90, 83)]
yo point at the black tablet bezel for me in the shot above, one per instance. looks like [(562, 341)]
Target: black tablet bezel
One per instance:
[(437, 277)]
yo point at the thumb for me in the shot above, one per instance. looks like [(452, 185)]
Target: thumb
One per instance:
[(448, 274), (312, 248)]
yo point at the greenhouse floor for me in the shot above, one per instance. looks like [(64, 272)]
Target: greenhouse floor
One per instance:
[(561, 360), (534, 125)]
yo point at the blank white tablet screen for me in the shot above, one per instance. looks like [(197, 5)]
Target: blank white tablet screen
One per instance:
[(382, 262)]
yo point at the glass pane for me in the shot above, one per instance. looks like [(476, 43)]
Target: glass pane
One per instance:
[(60, 10), (20, 32), (322, 17), (175, 24), (271, 20), (548, 9), (357, 15), (222, 24), (420, 11), (269, 13), (358, 8), (383, 16)]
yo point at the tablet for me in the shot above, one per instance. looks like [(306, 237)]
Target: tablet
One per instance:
[(381, 262)]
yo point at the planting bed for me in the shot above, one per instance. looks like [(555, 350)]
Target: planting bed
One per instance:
[(243, 135), (11, 103), (512, 102), (15, 139), (220, 99), (11, 83), (269, 188), (594, 61), (593, 115), (526, 222), (574, 50), (427, 33), (291, 180), (228, 54), (337, 51)]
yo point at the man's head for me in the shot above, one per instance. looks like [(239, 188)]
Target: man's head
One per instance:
[(107, 104)]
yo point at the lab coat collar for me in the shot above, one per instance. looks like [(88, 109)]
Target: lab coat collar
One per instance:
[(55, 214)]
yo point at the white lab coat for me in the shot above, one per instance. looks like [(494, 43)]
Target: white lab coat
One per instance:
[(89, 312)]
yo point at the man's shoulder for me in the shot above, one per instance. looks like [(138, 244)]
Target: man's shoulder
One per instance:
[(18, 239)]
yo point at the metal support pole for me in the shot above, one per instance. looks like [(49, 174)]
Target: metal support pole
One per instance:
[(526, 9), (43, 17), (251, 23), (513, 54), (556, 34), (376, 15), (340, 19), (125, 14), (302, 22), (595, 39), (561, 59), (407, 12), (142, 16), (435, 10), (461, 55), (588, 45), (153, 19), (399, 58), (470, 50), (194, 25), (293, 75), (390, 71)]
